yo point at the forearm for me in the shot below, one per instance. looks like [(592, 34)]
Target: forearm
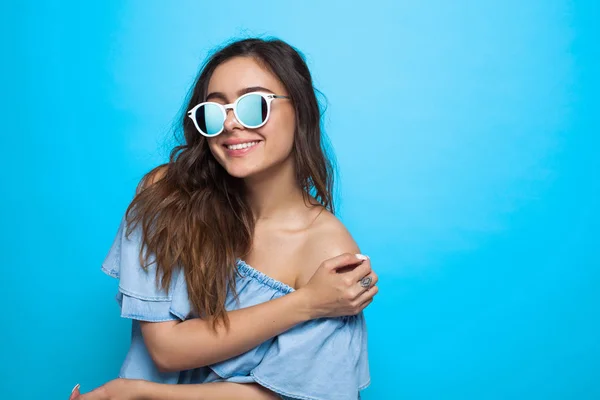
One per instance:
[(206, 391), (194, 343)]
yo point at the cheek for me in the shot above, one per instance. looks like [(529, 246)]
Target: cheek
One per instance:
[(281, 134), (216, 150)]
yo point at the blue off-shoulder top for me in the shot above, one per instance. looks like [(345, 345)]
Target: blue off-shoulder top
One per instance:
[(320, 359)]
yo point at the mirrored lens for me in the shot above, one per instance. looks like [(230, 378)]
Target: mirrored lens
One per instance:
[(252, 110), (210, 119)]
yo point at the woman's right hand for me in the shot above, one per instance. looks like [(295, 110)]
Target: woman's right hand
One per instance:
[(335, 288)]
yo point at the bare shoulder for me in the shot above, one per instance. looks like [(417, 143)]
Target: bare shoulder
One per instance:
[(327, 238)]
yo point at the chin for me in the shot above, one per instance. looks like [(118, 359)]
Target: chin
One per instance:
[(242, 171), (239, 173), (245, 171)]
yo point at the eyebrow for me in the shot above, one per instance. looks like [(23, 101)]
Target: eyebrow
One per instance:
[(221, 96)]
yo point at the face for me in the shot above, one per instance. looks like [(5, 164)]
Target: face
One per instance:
[(264, 147)]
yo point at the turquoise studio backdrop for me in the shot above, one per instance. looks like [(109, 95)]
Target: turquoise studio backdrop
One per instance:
[(466, 135)]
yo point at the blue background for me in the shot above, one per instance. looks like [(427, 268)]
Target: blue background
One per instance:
[(466, 134)]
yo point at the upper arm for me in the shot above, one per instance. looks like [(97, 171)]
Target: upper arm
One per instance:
[(153, 331), (327, 239), (156, 338)]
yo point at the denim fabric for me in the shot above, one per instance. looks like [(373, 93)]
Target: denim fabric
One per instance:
[(318, 359)]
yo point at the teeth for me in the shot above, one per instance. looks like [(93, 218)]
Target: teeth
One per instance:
[(241, 146)]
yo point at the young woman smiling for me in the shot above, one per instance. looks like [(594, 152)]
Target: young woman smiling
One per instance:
[(239, 280)]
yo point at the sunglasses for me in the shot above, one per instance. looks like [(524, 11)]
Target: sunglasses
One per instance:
[(252, 110)]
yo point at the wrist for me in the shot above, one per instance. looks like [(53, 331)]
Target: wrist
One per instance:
[(144, 390), (303, 305)]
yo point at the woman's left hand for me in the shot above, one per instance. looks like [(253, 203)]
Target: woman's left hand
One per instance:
[(118, 389)]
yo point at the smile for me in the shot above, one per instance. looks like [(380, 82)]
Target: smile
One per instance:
[(241, 145)]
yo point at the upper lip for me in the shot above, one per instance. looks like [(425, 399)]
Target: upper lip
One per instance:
[(232, 141)]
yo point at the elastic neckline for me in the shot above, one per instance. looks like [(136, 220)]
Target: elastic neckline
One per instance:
[(262, 278)]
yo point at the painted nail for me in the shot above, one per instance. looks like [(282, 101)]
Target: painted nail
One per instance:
[(361, 257), (76, 387)]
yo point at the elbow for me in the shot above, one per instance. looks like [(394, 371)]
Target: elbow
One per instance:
[(168, 349), (164, 370), (163, 362), (163, 367)]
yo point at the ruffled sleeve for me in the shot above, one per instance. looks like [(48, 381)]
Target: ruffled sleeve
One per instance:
[(140, 295), (320, 359), (324, 359)]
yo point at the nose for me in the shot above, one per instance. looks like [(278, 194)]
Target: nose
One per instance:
[(231, 121)]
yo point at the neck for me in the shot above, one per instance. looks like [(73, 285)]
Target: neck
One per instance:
[(275, 192)]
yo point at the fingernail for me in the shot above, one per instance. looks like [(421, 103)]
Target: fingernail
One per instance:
[(76, 387), (361, 257)]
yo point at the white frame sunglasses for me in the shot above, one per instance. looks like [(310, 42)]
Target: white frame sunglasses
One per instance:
[(268, 97)]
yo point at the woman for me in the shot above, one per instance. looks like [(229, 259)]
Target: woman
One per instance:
[(251, 186)]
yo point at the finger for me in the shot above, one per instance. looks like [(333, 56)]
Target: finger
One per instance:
[(366, 295), (361, 271), (74, 392), (364, 305), (359, 289), (344, 260), (374, 278), (96, 394)]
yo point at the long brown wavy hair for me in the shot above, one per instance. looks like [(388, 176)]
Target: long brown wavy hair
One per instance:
[(194, 215)]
